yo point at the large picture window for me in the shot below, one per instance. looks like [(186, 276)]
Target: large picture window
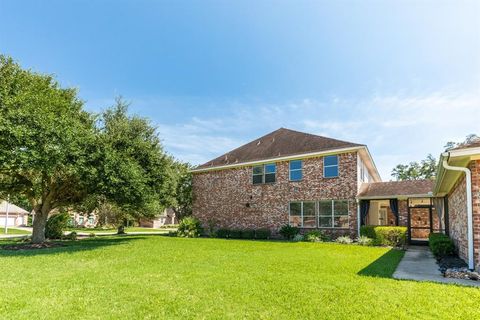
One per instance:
[(330, 166), (264, 173), (296, 170), (321, 214)]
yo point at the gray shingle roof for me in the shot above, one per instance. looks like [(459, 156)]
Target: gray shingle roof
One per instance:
[(396, 188)]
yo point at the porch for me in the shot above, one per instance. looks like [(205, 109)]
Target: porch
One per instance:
[(403, 203)]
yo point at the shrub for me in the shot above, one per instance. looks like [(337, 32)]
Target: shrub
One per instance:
[(235, 234), (441, 245), (298, 238), (71, 236), (289, 232), (263, 234), (316, 236), (248, 234), (223, 233), (344, 240), (364, 241), (56, 225), (92, 235), (384, 235), (170, 234), (189, 227)]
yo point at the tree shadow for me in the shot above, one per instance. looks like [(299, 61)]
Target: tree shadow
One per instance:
[(68, 247), (384, 266)]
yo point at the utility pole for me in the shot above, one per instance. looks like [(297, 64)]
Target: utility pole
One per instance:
[(6, 214)]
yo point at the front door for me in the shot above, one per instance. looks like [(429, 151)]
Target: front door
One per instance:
[(420, 220)]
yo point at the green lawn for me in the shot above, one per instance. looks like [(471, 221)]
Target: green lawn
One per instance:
[(155, 277), (13, 231), (129, 229)]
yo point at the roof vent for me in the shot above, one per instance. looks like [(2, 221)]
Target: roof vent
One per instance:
[(258, 143)]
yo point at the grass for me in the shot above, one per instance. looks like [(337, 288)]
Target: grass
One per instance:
[(127, 230), (13, 231), (156, 277)]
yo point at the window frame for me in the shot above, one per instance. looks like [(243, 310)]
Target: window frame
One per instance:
[(290, 170), (331, 166), (331, 215), (264, 173)]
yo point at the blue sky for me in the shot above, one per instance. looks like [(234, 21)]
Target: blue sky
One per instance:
[(402, 77)]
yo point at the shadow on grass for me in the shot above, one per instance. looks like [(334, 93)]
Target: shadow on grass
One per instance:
[(385, 266), (68, 246)]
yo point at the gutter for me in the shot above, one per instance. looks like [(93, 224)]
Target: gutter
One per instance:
[(468, 180)]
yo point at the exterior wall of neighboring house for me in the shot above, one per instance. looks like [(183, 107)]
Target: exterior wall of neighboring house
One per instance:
[(457, 211), (166, 218), (86, 221), (238, 203), (14, 220)]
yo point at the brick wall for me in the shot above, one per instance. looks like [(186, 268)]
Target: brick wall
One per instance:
[(229, 199), (457, 210)]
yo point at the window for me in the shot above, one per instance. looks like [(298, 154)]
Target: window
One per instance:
[(330, 166), (90, 220), (80, 220), (296, 170), (333, 214), (264, 173), (303, 214)]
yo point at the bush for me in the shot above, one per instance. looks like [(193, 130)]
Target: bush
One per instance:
[(441, 245), (364, 241), (289, 232), (386, 236), (189, 227), (298, 238), (56, 225), (170, 234), (263, 234), (92, 235), (223, 233), (316, 236), (71, 236), (235, 234), (344, 240), (248, 234)]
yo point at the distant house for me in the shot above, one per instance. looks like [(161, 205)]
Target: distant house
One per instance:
[(314, 182), (16, 216), (82, 220), (167, 217)]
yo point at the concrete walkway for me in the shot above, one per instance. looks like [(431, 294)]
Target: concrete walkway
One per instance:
[(419, 264)]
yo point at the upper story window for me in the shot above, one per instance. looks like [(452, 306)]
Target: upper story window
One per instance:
[(330, 166), (264, 173), (296, 167)]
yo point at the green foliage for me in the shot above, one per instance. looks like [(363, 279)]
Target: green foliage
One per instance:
[(468, 139), (364, 241), (298, 238), (368, 231), (316, 236), (56, 225), (441, 245), (248, 234), (263, 234), (386, 236), (426, 169), (235, 234), (223, 233), (189, 227), (183, 195), (344, 240), (288, 231), (71, 236)]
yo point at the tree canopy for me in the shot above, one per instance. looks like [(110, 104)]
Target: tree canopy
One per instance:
[(55, 154), (425, 169)]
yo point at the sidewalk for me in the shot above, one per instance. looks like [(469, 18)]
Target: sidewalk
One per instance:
[(419, 264)]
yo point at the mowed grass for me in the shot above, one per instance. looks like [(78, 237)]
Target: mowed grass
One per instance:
[(114, 230), (13, 231), (156, 277)]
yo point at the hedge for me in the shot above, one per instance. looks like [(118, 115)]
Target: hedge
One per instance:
[(260, 234), (441, 245), (385, 236)]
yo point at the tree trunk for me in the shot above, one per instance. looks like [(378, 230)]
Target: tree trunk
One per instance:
[(39, 223), (121, 229)]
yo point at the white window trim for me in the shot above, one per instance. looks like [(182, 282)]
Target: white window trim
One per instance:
[(318, 216), (294, 170), (330, 166)]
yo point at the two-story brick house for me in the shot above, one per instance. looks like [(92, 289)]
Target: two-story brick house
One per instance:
[(285, 177)]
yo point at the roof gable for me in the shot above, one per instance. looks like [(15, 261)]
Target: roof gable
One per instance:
[(279, 143)]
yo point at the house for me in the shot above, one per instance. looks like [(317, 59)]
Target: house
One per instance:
[(314, 182), (83, 220), (16, 216), (167, 217)]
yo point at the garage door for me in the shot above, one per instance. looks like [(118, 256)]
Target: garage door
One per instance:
[(11, 222)]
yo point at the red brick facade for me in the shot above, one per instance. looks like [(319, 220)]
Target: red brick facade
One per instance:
[(457, 211), (227, 198)]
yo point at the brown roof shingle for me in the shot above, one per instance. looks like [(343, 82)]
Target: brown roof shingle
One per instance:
[(396, 188), (279, 143), (472, 144)]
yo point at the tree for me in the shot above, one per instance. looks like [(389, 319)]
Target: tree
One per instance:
[(426, 169), (468, 139), (182, 204), (46, 140)]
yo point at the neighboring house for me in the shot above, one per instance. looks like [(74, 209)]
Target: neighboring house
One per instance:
[(167, 217), (313, 182), (83, 220), (16, 215)]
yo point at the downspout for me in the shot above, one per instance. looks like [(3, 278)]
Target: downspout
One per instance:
[(468, 180), (358, 218)]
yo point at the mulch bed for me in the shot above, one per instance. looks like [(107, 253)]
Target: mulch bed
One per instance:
[(32, 246), (454, 267)]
